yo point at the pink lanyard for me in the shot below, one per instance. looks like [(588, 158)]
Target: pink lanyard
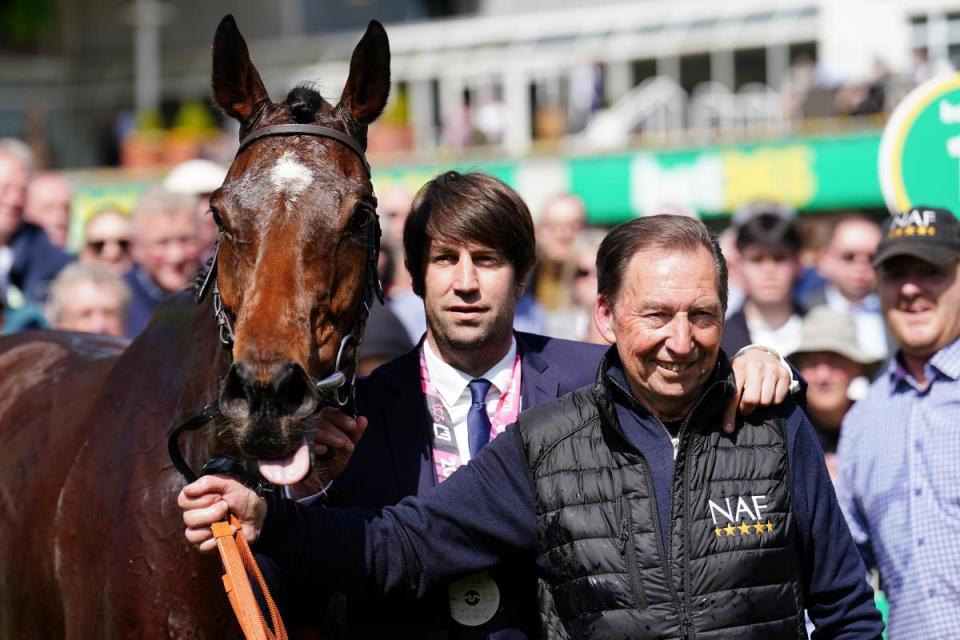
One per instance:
[(446, 455)]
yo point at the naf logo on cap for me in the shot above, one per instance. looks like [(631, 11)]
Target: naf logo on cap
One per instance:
[(916, 222), (929, 234)]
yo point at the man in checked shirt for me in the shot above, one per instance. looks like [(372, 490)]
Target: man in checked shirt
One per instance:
[(899, 451)]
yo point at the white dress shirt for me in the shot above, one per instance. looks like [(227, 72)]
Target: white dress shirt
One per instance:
[(451, 385)]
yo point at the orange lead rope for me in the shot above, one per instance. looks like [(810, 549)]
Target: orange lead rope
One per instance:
[(238, 563)]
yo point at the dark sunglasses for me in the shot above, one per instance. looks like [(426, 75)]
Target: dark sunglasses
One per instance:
[(98, 245), (851, 256)]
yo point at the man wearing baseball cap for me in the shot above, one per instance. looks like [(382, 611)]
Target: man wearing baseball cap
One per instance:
[(899, 479)]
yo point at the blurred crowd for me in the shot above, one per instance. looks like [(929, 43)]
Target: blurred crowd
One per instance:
[(128, 261)]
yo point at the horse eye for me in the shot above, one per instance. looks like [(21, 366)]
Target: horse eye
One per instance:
[(216, 218), (359, 220)]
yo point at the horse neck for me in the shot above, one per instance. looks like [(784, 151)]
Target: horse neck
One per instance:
[(204, 360), (179, 357)]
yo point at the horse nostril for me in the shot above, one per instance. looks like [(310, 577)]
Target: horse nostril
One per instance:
[(292, 392), (239, 392)]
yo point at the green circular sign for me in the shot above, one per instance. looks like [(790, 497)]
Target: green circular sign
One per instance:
[(919, 161)]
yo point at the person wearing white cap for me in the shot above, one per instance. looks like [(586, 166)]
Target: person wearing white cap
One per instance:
[(835, 368), (199, 178)]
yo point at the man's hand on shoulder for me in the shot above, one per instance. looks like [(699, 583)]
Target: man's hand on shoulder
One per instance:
[(762, 380), (212, 499)]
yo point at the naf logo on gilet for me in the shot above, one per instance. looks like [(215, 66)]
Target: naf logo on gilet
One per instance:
[(740, 516)]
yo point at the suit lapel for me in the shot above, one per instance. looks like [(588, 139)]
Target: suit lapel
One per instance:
[(537, 385), (409, 427), (409, 430)]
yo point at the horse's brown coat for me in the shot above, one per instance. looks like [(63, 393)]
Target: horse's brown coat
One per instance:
[(91, 540)]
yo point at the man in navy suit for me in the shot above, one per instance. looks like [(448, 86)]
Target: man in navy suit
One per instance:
[(469, 248)]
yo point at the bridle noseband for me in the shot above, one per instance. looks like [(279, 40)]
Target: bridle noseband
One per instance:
[(338, 384)]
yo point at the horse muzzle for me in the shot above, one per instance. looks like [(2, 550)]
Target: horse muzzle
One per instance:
[(286, 391)]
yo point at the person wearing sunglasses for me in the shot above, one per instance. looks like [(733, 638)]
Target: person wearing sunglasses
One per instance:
[(107, 241), (846, 263)]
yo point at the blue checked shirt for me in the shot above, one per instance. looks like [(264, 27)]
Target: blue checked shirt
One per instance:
[(899, 486)]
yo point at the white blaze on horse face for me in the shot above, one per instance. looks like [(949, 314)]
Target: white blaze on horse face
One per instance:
[(289, 176)]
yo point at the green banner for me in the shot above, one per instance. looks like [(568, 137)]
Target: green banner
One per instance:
[(808, 174), (920, 148)]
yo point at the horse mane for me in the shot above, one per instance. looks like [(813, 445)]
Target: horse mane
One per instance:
[(307, 106)]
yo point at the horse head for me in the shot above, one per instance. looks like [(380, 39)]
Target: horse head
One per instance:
[(298, 228)]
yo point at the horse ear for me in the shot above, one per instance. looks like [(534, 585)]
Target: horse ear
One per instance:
[(237, 86), (368, 84)]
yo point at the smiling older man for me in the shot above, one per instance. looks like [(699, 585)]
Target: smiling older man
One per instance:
[(899, 447), (648, 520)]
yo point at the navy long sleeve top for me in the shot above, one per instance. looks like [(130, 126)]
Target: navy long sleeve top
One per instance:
[(485, 514)]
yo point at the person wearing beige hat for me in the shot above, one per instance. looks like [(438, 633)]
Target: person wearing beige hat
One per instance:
[(836, 369)]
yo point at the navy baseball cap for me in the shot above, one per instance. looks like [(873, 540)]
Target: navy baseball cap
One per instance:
[(931, 234)]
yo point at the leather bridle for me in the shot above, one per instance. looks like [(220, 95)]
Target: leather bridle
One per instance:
[(338, 387)]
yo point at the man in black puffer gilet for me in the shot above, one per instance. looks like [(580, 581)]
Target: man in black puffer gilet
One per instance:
[(599, 530)]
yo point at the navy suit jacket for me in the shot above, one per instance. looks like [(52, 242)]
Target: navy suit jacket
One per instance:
[(394, 459)]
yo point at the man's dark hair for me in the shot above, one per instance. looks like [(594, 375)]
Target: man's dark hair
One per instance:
[(672, 232), (468, 207), (771, 232)]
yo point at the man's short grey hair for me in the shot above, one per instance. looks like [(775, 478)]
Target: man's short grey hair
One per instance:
[(75, 273), (670, 232), (157, 201), (19, 151)]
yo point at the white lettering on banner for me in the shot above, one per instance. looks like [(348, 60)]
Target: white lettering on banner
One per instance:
[(698, 184), (953, 147), (949, 113), (743, 506)]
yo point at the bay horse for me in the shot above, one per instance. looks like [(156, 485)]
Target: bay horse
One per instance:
[(91, 539)]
